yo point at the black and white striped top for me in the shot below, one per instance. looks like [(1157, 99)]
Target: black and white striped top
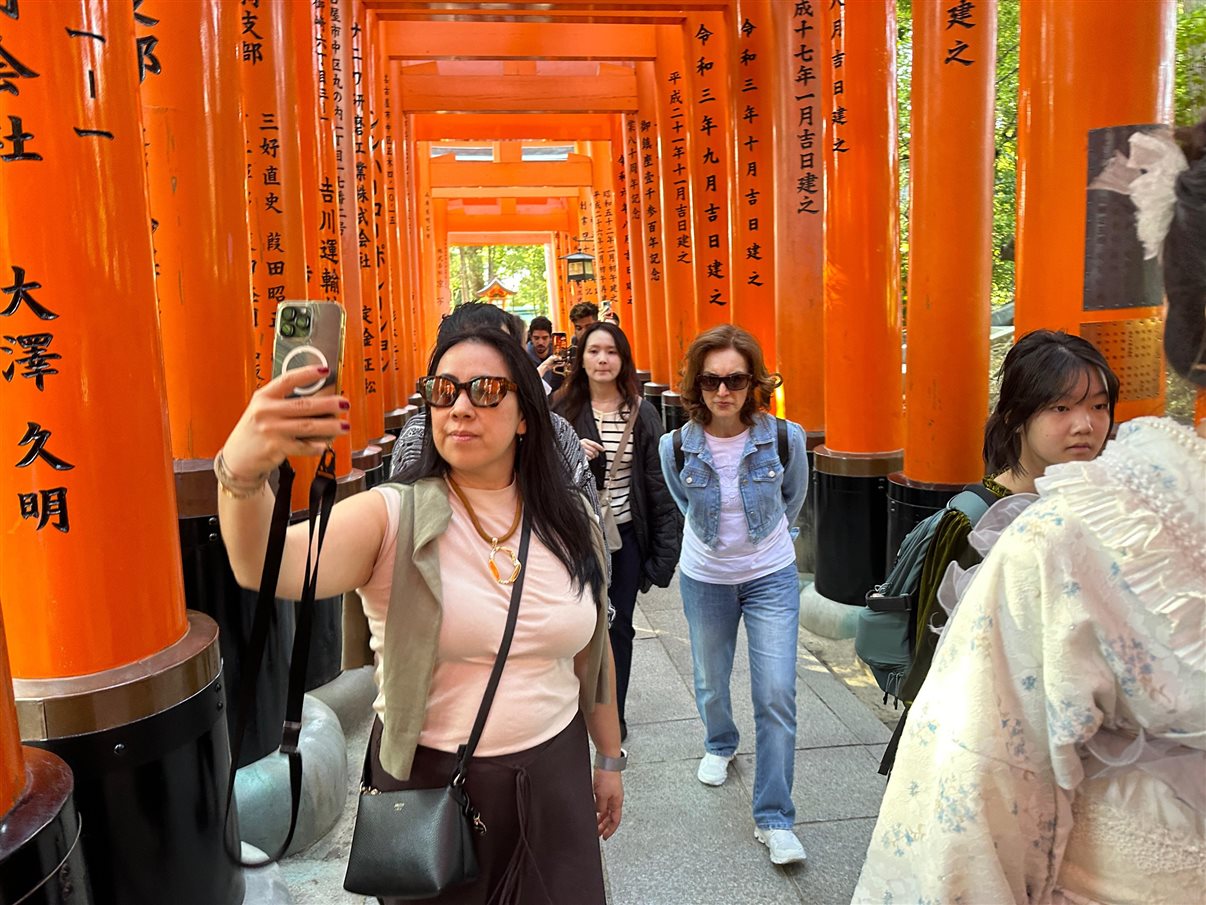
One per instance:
[(611, 428)]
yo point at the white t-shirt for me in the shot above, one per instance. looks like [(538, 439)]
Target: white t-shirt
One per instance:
[(735, 559)]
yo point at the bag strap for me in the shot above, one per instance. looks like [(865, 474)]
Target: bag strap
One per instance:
[(620, 450), (781, 437), (322, 500), (465, 752), (680, 458)]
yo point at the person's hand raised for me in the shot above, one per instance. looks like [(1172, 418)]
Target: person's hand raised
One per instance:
[(275, 425)]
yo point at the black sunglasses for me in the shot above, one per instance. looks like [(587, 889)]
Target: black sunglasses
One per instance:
[(711, 383), (442, 392)]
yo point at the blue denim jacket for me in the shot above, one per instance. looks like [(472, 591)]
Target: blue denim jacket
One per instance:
[(768, 490)]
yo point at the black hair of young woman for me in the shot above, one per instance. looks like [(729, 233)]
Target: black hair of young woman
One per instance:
[(1041, 368), (481, 315), (575, 392), (547, 495)]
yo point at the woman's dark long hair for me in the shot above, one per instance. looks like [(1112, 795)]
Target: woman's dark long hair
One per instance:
[(1041, 368), (575, 392), (557, 517)]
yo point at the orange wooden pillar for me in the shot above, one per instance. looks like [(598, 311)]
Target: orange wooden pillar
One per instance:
[(752, 81), (586, 240), (342, 96), (427, 308), (603, 216), (320, 201), (37, 814), (409, 224), (198, 191), (383, 251), (863, 423), (679, 240), (363, 228), (397, 222), (273, 164), (632, 258), (950, 260), (12, 760), (711, 164), (800, 95), (654, 251), (90, 580), (565, 297), (1086, 67)]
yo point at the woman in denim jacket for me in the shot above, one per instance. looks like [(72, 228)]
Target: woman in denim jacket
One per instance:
[(740, 501)]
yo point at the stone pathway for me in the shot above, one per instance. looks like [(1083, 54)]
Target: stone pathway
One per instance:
[(683, 843)]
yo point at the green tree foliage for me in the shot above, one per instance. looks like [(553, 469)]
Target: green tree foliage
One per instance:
[(1189, 91), (518, 267)]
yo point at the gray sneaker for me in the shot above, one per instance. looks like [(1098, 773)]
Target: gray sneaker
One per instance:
[(713, 769), (784, 847)]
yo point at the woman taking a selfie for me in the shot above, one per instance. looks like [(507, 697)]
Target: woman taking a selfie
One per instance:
[(430, 558), (740, 498), (619, 432)]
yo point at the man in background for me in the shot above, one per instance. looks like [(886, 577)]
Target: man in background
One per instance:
[(540, 350)]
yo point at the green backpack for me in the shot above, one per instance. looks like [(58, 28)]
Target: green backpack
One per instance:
[(886, 635)]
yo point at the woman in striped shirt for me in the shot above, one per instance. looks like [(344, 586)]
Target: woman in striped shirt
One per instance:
[(599, 399)]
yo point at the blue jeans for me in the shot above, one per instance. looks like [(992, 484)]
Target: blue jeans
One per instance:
[(771, 607)]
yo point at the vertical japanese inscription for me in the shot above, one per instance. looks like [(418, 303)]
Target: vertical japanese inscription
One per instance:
[(806, 82), (714, 197)]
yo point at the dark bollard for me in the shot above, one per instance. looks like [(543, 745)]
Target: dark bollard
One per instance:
[(41, 857), (416, 400), (851, 522), (643, 377), (653, 394), (674, 415)]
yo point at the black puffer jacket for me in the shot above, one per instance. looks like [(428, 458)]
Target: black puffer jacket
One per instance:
[(656, 520)]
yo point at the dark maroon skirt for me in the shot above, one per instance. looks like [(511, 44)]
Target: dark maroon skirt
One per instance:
[(542, 839)]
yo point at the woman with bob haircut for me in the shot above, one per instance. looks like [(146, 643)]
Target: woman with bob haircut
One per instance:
[(600, 399), (420, 553), (1056, 404), (738, 561)]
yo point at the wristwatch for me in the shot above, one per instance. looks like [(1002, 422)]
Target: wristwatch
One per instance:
[(615, 764)]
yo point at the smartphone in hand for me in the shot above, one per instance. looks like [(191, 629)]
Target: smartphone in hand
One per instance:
[(310, 333)]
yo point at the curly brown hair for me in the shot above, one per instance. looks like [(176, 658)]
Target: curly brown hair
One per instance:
[(727, 336)]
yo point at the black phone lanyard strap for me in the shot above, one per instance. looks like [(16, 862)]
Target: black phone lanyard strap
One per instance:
[(322, 500)]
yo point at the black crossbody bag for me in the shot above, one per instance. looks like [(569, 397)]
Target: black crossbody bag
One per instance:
[(415, 843)]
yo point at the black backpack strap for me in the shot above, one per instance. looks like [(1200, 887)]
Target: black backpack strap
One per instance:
[(982, 492), (680, 458), (781, 436)]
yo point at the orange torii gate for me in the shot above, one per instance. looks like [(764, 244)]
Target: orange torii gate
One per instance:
[(749, 140)]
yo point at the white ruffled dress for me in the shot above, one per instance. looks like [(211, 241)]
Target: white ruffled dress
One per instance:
[(1057, 751)]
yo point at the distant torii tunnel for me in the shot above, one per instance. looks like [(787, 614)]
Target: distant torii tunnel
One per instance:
[(172, 170)]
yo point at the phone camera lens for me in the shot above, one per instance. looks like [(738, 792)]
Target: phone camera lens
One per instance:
[(287, 330), (303, 322), (288, 314)]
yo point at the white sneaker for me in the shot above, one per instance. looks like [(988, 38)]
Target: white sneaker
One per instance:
[(713, 769), (784, 847)]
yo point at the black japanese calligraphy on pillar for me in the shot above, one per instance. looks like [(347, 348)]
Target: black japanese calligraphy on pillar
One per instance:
[(365, 224), (630, 187), (755, 186), (679, 181), (961, 23), (29, 357), (712, 151), (92, 126), (328, 226), (146, 43), (651, 214), (806, 82), (838, 117)]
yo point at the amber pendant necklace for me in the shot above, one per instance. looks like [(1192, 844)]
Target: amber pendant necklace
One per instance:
[(496, 543)]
